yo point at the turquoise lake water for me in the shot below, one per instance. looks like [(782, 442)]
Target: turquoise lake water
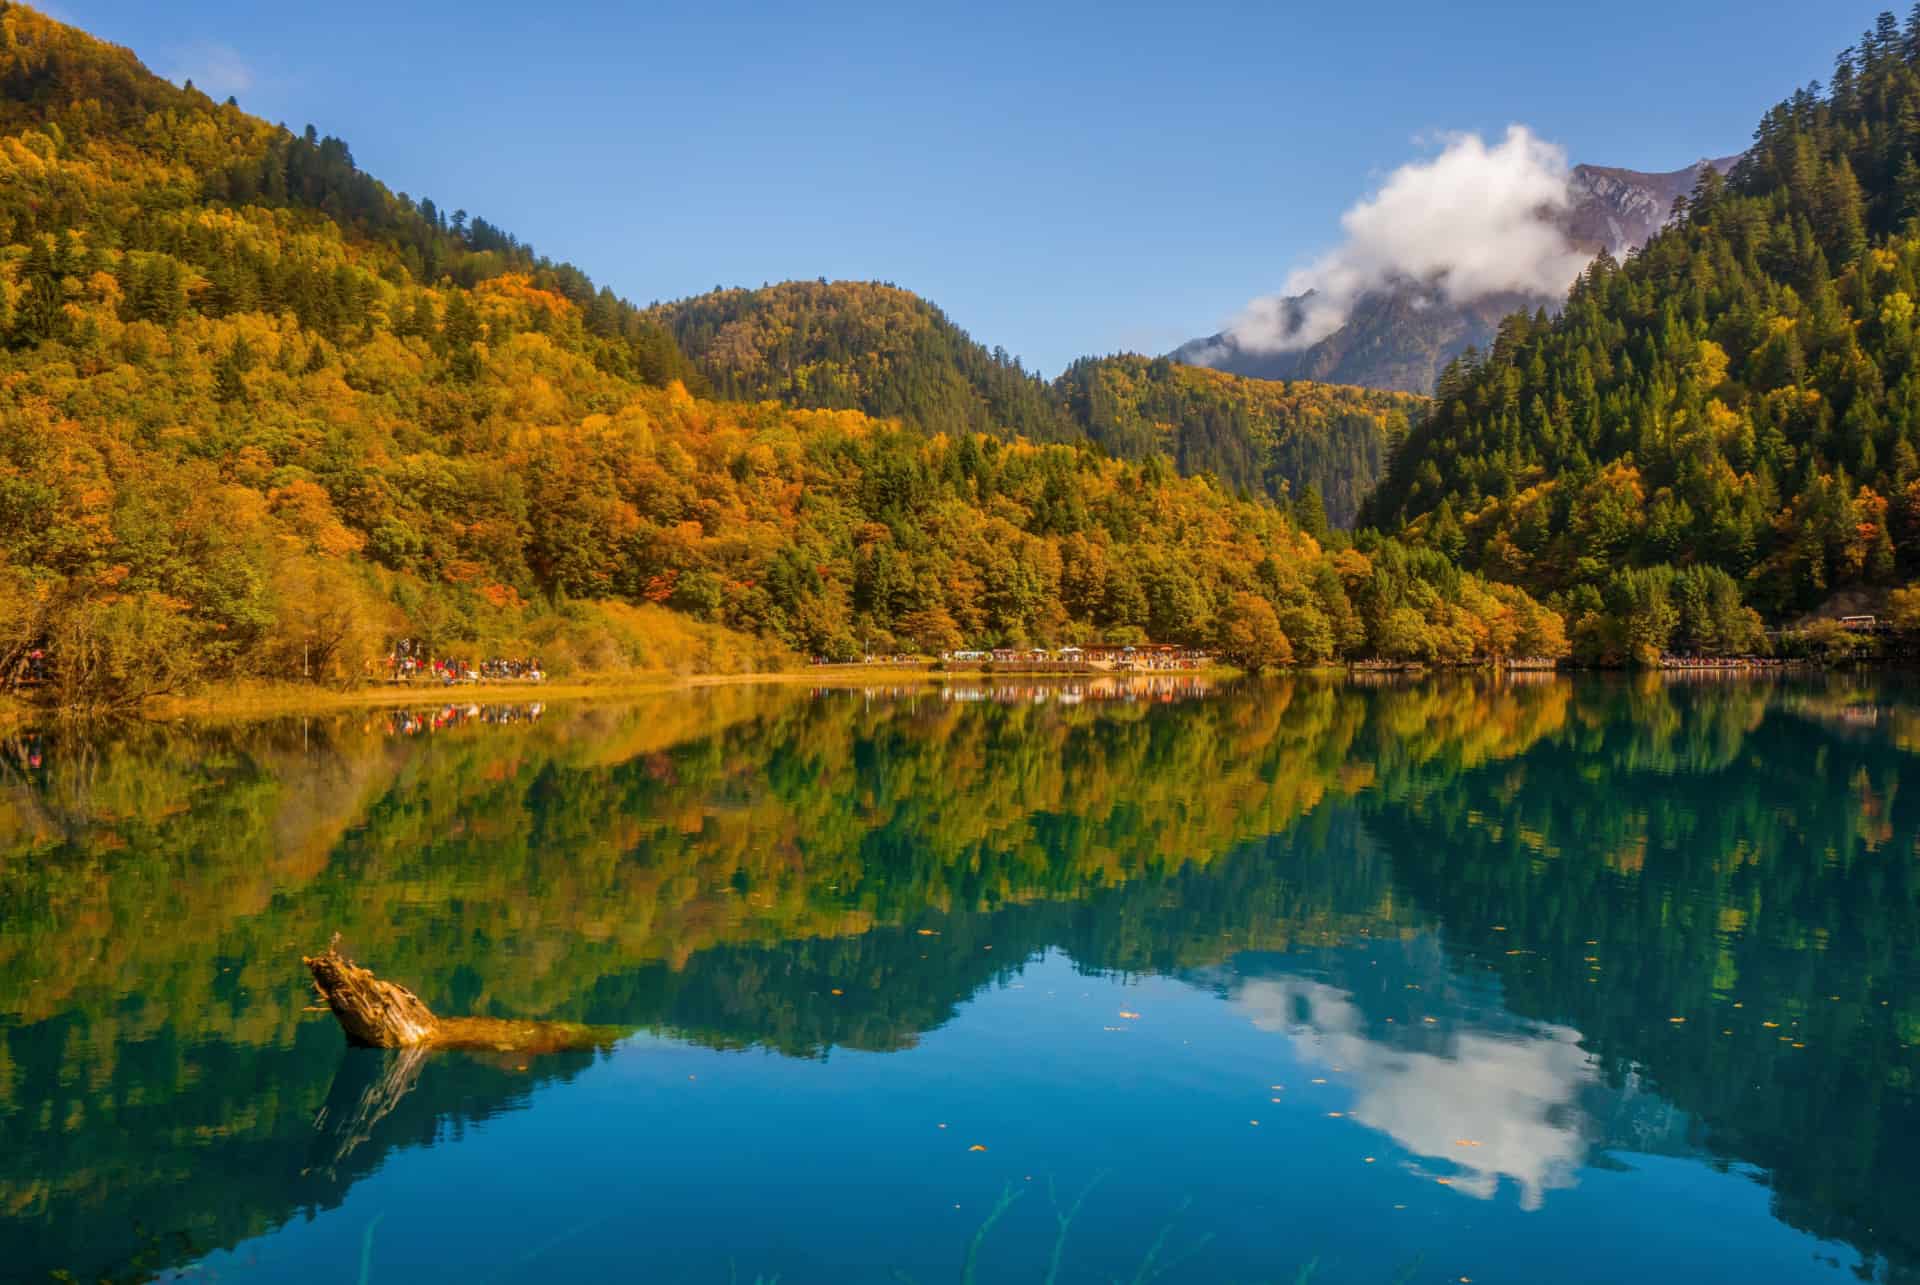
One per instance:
[(1298, 981)]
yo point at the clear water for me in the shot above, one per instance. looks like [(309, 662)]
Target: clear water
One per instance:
[(1300, 981)]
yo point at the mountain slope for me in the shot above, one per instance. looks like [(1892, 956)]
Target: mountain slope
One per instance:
[(1395, 340), (1260, 435), (259, 415), (885, 351), (1736, 411), (1617, 211), (857, 345), (1401, 338)]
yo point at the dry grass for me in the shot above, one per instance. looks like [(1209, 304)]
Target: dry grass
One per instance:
[(595, 651)]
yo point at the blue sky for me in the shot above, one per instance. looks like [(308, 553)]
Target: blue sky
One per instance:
[(1061, 178)]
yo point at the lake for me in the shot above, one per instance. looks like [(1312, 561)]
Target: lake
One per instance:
[(1300, 981)]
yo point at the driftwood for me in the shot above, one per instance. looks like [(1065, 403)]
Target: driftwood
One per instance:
[(378, 1014)]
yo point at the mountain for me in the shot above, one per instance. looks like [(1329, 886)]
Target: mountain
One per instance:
[(1282, 439), (1619, 210), (1732, 416), (263, 416), (861, 345), (1393, 339), (1401, 338), (885, 351)]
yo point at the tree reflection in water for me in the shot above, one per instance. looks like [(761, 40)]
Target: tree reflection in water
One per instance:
[(1642, 916)]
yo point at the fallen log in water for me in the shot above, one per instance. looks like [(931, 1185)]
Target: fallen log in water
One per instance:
[(380, 1014)]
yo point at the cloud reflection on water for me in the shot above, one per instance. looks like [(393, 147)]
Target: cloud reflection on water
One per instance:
[(1496, 1103)]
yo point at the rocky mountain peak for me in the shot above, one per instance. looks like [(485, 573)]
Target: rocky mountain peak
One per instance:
[(1402, 337)]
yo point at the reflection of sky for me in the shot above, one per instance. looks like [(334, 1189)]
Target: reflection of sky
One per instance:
[(1497, 1104)]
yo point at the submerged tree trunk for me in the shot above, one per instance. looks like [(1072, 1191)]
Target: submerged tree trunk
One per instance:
[(381, 1014)]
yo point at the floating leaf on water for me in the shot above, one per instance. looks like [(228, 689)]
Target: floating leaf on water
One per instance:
[(838, 991), (976, 1147), (1129, 1016), (1335, 1115)]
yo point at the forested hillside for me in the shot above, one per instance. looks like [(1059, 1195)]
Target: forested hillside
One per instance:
[(866, 346), (261, 415), (855, 345), (1731, 415), (1283, 439)]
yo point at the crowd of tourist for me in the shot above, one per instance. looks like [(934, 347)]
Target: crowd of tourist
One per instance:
[(409, 662), (31, 670)]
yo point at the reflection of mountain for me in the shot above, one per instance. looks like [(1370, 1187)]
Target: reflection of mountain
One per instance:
[(721, 880), (1293, 889)]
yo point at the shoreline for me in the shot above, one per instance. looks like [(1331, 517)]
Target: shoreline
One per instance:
[(250, 700), (256, 700)]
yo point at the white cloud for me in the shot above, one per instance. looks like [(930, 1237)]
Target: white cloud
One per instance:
[(1478, 219), (215, 69)]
